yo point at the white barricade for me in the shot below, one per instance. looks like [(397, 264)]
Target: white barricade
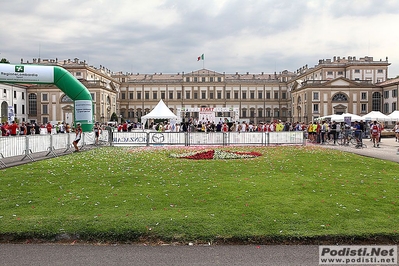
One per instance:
[(134, 138), (285, 137), (166, 138), (25, 145), (201, 138), (12, 145)]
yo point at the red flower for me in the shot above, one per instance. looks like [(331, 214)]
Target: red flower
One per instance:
[(217, 154), (204, 155)]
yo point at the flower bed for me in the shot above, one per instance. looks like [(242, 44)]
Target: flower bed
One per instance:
[(215, 155)]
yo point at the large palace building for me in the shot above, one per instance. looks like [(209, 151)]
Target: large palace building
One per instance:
[(259, 97), (333, 86)]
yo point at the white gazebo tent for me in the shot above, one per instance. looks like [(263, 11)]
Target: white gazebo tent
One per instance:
[(353, 117), (341, 118), (394, 115), (377, 116), (160, 111)]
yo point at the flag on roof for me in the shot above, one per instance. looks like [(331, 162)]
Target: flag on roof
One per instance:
[(201, 57)]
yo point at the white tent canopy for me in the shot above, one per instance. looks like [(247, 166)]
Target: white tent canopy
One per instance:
[(376, 115), (394, 115), (335, 117), (353, 117), (160, 111), (341, 118)]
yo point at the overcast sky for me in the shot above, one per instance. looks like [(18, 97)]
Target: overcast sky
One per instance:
[(148, 36)]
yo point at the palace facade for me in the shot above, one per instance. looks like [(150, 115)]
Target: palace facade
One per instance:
[(333, 86), (259, 97), (341, 85)]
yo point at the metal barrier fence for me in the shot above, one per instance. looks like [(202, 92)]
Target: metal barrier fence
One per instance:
[(141, 138), (27, 145)]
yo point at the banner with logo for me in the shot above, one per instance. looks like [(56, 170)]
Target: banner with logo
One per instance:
[(26, 73), (11, 114), (206, 115)]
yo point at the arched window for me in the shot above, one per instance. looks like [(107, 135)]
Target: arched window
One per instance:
[(268, 112), (139, 112), (4, 111), (130, 113), (276, 112), (251, 112), (339, 97), (244, 112), (376, 102), (260, 112), (32, 99), (299, 100)]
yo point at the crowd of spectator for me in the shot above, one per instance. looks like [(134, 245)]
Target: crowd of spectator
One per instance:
[(26, 128), (315, 131)]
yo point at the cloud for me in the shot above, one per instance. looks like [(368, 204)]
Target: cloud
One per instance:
[(168, 35)]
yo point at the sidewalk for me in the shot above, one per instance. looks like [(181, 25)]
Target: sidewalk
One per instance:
[(387, 151)]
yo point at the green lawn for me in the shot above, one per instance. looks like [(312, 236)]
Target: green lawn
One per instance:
[(142, 194)]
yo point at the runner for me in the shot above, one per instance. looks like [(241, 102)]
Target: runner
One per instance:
[(375, 134)]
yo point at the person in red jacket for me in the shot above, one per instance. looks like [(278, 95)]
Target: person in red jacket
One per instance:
[(375, 130), (49, 127), (13, 128), (225, 128)]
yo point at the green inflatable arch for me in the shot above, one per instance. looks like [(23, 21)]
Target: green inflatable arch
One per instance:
[(65, 81)]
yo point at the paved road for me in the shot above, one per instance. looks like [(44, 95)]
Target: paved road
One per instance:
[(45, 254), (387, 151)]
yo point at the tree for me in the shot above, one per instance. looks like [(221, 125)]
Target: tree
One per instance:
[(114, 117), (4, 61)]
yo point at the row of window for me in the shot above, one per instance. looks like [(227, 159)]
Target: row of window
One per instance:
[(379, 71), (386, 107), (65, 98), (394, 93), (243, 114), (204, 79), (363, 108), (363, 96), (340, 96), (203, 95), (16, 109), (15, 94)]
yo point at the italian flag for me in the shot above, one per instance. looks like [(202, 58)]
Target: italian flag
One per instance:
[(201, 57)]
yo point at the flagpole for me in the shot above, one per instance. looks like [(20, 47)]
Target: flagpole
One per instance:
[(202, 57)]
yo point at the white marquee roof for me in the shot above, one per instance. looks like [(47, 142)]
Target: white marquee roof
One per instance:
[(160, 111)]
